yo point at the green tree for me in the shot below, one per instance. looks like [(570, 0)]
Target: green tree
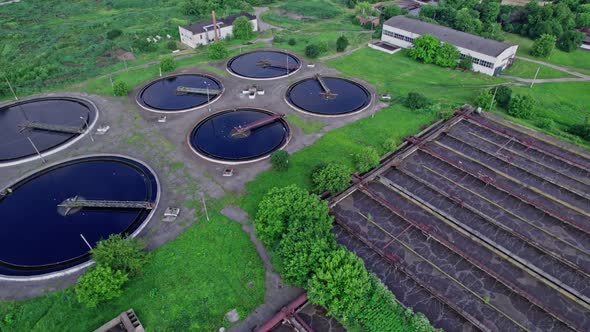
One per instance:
[(340, 284), (416, 100), (364, 9), (425, 48), (120, 88), (277, 208), (465, 21), (193, 7), (466, 63), (484, 99), (447, 55), (120, 254), (390, 144), (292, 41), (521, 106), (243, 28), (543, 46), (582, 130), (391, 11), (489, 10), (99, 284), (341, 43), (570, 41), (333, 177), (167, 64), (217, 51), (503, 95), (280, 160), (312, 51), (171, 45), (366, 159)]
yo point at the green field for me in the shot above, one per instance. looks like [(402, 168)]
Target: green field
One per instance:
[(188, 284), (578, 60), (526, 69)]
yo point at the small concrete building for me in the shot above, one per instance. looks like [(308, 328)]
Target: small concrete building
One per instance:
[(202, 33), (489, 56)]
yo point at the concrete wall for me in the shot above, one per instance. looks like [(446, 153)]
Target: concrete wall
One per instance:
[(203, 38), (500, 61)]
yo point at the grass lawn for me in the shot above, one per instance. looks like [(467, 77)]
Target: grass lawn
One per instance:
[(134, 77), (188, 284), (578, 59), (308, 126), (398, 75), (526, 69), (337, 146)]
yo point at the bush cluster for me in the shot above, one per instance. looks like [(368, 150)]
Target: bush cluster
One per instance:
[(429, 49), (167, 64), (280, 160), (521, 106), (416, 100), (296, 227), (332, 177), (217, 51), (117, 260), (366, 159), (120, 88)]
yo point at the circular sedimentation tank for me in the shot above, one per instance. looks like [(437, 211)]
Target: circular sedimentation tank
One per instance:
[(328, 96), (263, 65), (40, 235), (239, 136), (42, 125), (179, 93)]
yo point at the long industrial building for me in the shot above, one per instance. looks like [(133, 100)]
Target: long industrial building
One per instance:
[(489, 56)]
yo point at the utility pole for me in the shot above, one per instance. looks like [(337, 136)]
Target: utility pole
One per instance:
[(535, 78), (493, 98), (10, 87)]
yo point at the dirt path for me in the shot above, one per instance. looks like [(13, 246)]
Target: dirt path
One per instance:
[(579, 77), (550, 65), (263, 26)]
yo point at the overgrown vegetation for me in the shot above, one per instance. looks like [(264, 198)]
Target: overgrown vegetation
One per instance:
[(187, 285), (295, 226), (120, 88), (331, 177), (217, 50)]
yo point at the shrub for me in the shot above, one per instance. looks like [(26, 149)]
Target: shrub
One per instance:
[(484, 99), (292, 41), (546, 123), (312, 51), (333, 178), (279, 205), (521, 106), (543, 46), (341, 44), (447, 55), (243, 28), (217, 50), (503, 95), (391, 11), (120, 88), (114, 34), (425, 49), (167, 64), (390, 144), (340, 284), (142, 45), (280, 160), (445, 114), (366, 159), (466, 63), (570, 40), (580, 130), (99, 284), (171, 45), (118, 253), (416, 100)]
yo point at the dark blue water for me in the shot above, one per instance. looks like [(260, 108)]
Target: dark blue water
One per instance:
[(161, 94), (246, 64), (35, 235), (212, 137), (14, 144), (351, 97)]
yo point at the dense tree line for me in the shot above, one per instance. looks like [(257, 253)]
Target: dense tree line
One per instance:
[(489, 19), (204, 7)]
